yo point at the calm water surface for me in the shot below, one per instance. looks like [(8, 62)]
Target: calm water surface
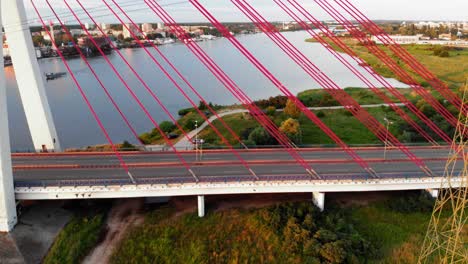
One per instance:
[(77, 128)]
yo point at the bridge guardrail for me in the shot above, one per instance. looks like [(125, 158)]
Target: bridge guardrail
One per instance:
[(191, 180)]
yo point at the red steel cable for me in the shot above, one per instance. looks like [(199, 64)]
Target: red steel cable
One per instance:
[(183, 78), (135, 97), (371, 71), (85, 98), (339, 94), (402, 53), (232, 87), (182, 91), (263, 23), (325, 81), (106, 91), (385, 58), (327, 130)]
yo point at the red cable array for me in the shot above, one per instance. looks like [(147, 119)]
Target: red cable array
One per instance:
[(402, 53), (253, 15), (181, 76), (362, 38), (135, 97), (181, 90), (321, 78), (326, 82), (106, 91), (231, 86), (85, 98), (371, 71), (321, 125)]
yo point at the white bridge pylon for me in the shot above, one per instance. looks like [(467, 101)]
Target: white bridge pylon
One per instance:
[(33, 95), (29, 77), (7, 191)]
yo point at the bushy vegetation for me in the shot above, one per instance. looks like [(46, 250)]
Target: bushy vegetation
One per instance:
[(279, 102), (451, 67), (441, 51), (127, 146), (76, 240), (421, 202), (286, 233)]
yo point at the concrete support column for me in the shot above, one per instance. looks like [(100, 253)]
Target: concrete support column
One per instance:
[(7, 193), (29, 77), (433, 192), (319, 200), (201, 206)]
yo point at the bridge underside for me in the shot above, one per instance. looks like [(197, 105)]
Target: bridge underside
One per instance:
[(218, 188)]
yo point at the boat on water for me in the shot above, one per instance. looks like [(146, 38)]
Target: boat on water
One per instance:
[(54, 75)]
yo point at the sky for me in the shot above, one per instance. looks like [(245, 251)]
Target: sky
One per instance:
[(224, 10)]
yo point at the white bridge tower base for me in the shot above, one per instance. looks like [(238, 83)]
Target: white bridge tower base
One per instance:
[(28, 76), (7, 194), (319, 200)]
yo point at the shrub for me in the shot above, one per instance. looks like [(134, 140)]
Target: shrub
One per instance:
[(321, 114), (127, 146), (183, 112), (167, 126), (416, 202), (261, 137), (271, 110), (291, 109)]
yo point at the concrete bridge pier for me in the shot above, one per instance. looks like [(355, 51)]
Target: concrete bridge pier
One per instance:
[(433, 192), (29, 77), (201, 206), (319, 200), (7, 196)]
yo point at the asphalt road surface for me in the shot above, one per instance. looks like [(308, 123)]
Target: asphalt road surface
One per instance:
[(220, 166)]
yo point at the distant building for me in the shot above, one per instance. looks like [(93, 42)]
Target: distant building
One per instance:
[(76, 32), (146, 27), (400, 39), (160, 25), (129, 29), (447, 36), (105, 26)]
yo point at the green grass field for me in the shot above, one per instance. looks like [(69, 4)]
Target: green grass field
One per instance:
[(75, 241), (452, 70)]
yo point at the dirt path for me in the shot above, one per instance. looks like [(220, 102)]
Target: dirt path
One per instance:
[(124, 214)]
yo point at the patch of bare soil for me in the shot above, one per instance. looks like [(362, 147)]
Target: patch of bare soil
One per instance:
[(124, 214)]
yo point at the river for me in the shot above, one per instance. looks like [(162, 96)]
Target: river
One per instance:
[(77, 128)]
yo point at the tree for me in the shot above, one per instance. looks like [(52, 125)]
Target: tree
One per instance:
[(126, 146), (38, 40), (334, 252), (291, 109), (294, 236), (261, 137), (167, 126), (271, 110), (292, 129), (202, 106)]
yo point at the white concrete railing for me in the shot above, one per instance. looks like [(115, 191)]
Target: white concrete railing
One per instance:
[(189, 189)]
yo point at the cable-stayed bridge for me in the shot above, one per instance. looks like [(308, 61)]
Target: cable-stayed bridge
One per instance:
[(288, 168)]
